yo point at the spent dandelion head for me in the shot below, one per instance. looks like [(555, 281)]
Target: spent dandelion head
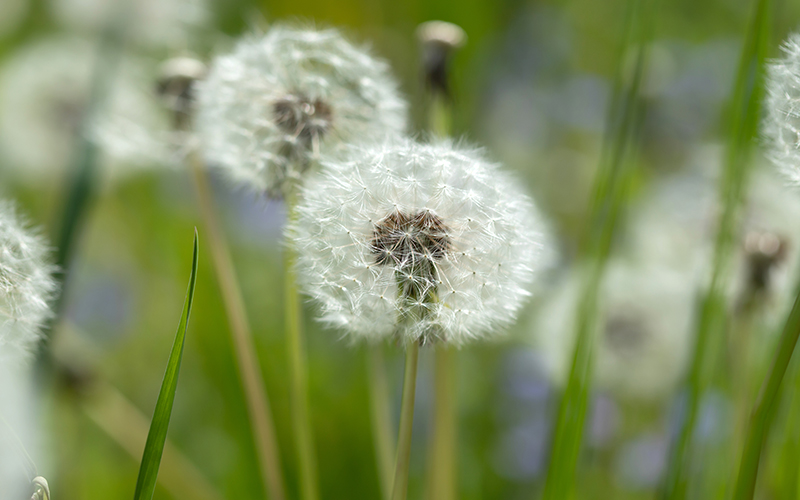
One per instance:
[(278, 101), (781, 127), (177, 86), (439, 40), (643, 330), (426, 242)]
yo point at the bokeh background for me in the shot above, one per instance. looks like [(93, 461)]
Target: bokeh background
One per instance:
[(532, 85)]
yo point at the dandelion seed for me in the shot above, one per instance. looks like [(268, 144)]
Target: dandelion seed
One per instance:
[(781, 127), (282, 100), (429, 242)]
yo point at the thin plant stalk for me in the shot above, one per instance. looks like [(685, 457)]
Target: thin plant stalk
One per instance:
[(610, 194), (115, 415), (744, 118), (381, 418), (765, 407), (400, 483), (255, 391), (442, 469), (298, 372)]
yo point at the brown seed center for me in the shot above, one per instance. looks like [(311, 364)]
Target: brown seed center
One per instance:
[(303, 118), (406, 240)]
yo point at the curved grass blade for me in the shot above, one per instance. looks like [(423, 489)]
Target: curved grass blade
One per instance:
[(154, 447)]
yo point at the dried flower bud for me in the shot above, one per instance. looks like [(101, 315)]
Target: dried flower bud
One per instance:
[(41, 490), (176, 87), (439, 40), (428, 242), (271, 107)]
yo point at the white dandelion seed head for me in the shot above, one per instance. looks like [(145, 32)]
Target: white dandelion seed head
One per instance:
[(781, 127), (419, 240), (279, 100), (26, 286), (45, 91), (643, 330)]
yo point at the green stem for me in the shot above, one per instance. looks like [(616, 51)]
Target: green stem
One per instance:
[(381, 418), (255, 391), (443, 470), (400, 484), (304, 439), (766, 404)]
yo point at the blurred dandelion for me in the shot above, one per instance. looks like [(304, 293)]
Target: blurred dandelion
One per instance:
[(430, 242), (279, 101), (781, 126), (44, 96), (643, 335)]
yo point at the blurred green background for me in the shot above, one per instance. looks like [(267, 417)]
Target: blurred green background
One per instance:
[(532, 85)]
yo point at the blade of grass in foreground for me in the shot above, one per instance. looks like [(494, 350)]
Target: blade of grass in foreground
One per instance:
[(744, 116), (154, 447), (610, 192), (766, 404)]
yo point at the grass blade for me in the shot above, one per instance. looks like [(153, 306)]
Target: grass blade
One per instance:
[(154, 447), (766, 404), (744, 117), (610, 193)]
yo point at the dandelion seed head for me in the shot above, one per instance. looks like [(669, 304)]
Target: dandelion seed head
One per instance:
[(281, 100), (427, 241), (643, 329), (26, 286), (45, 95), (781, 127)]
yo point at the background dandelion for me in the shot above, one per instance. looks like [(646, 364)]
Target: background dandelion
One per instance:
[(281, 99)]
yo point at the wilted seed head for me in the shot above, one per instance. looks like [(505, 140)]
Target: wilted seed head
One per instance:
[(439, 39), (763, 251), (423, 241), (26, 286), (782, 122), (176, 87), (271, 108)]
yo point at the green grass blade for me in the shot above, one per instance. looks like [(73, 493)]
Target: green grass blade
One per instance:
[(610, 194), (766, 404), (154, 447), (743, 119)]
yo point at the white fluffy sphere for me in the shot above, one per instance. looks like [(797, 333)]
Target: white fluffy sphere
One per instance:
[(270, 107), (421, 241)]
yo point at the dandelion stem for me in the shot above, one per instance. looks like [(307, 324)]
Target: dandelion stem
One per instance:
[(400, 484), (381, 418), (443, 470), (442, 462), (255, 392), (765, 406), (304, 439)]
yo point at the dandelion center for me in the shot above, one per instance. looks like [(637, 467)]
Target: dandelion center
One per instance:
[(411, 244), (302, 118)]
